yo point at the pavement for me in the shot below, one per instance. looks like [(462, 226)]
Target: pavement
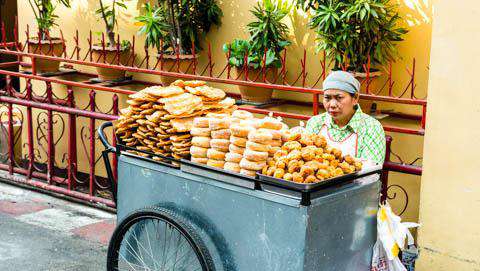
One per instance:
[(39, 233)]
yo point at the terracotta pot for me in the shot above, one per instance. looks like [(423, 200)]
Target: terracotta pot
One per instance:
[(256, 94), (170, 64), (55, 49), (109, 57)]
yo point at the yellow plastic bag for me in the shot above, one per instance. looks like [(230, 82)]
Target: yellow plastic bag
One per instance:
[(391, 236)]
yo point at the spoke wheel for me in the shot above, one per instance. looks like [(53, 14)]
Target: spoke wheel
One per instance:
[(155, 239)]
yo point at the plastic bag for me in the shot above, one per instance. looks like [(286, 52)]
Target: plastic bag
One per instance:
[(391, 235)]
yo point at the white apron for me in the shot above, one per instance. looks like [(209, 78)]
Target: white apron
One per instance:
[(348, 146)]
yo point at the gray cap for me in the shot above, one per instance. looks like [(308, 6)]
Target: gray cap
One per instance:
[(343, 81)]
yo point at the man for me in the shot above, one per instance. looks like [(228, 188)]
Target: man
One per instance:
[(344, 125)]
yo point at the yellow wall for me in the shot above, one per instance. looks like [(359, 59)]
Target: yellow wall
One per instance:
[(450, 192)]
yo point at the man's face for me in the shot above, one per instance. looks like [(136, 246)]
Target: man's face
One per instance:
[(339, 104)]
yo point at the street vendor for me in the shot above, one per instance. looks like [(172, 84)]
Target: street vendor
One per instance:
[(344, 125)]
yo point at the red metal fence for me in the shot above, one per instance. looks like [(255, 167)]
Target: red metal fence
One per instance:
[(56, 119)]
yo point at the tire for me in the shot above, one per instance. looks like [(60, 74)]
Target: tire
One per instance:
[(136, 243)]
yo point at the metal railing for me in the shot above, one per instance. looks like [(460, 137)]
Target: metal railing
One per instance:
[(87, 184)]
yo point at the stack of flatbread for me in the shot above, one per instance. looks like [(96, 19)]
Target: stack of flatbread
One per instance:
[(213, 99), (198, 100), (159, 119), (144, 124)]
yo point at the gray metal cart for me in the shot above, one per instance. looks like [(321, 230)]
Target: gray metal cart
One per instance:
[(194, 217)]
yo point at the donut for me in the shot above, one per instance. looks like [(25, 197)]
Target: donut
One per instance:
[(198, 152), (201, 141), (221, 134), (200, 122), (232, 167), (271, 162), (274, 143), (235, 121), (238, 141), (279, 173), (215, 154), (233, 157), (257, 146), (276, 134), (220, 144), (270, 123), (255, 156), (273, 150), (261, 137), (242, 114), (239, 130), (251, 173), (199, 160), (218, 124), (200, 131), (285, 135), (215, 163), (252, 165), (236, 149)]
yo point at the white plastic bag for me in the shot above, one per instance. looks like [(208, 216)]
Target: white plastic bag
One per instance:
[(391, 235)]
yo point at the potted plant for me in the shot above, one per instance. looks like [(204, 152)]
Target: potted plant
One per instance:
[(352, 31), (43, 43), (110, 52), (176, 27), (268, 38)]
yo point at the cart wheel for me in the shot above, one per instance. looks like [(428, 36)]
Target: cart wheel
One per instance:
[(157, 239)]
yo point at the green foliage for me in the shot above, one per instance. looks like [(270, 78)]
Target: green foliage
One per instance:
[(108, 13), (267, 33), (351, 30), (180, 23), (44, 13), (153, 25)]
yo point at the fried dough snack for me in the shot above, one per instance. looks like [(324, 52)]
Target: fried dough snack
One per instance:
[(306, 158)]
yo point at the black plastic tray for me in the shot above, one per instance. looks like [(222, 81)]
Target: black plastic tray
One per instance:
[(219, 174), (308, 187), (307, 192)]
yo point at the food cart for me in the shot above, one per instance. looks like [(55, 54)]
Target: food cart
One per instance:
[(179, 215)]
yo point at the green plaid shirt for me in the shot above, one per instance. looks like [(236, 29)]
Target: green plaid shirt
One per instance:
[(371, 137)]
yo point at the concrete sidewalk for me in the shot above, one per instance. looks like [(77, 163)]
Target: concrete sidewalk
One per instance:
[(39, 232)]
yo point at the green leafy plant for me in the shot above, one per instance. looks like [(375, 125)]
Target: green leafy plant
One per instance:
[(43, 11), (108, 14), (350, 31), (179, 23), (268, 36)]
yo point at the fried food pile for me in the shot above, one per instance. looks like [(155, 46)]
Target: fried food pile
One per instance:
[(306, 158), (159, 119)]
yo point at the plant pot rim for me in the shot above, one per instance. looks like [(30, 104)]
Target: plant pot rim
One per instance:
[(180, 56), (99, 47), (372, 73), (259, 68), (54, 40)]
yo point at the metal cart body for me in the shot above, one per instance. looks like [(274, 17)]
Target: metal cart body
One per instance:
[(250, 229)]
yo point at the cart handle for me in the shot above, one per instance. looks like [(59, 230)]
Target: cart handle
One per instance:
[(106, 159), (103, 138)]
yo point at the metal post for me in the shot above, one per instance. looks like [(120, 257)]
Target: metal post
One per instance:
[(92, 145), (31, 155), (72, 142), (384, 176), (50, 142)]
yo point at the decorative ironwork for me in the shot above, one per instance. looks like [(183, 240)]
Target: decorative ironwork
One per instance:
[(391, 195)]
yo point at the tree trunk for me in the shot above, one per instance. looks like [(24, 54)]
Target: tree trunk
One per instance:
[(111, 38)]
